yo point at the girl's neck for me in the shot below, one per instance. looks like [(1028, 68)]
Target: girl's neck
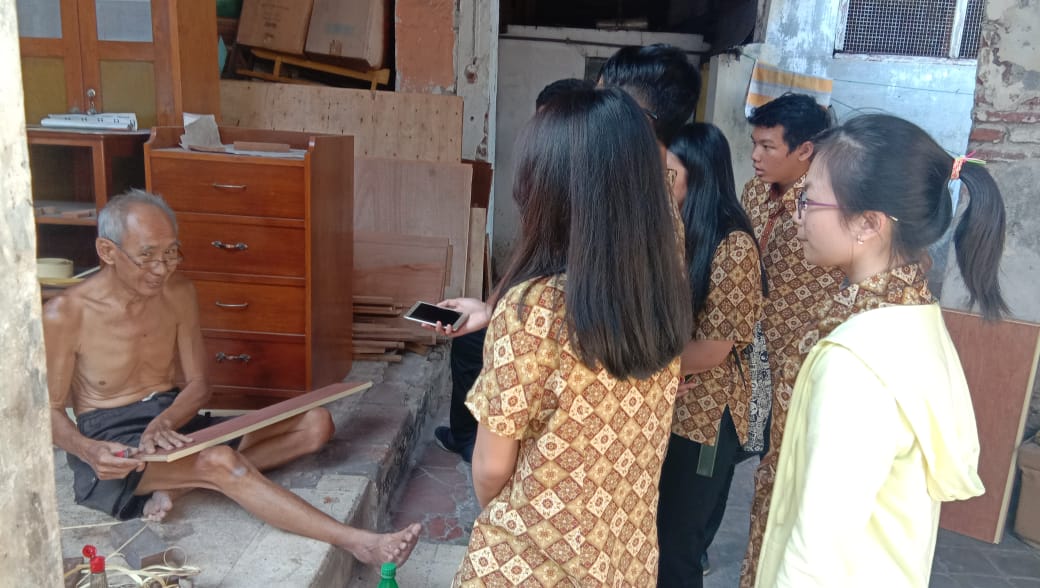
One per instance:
[(869, 266)]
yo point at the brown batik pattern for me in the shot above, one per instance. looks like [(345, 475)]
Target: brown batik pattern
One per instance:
[(733, 306), (580, 508), (903, 285), (796, 289)]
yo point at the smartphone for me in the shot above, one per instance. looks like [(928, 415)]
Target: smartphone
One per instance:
[(430, 314)]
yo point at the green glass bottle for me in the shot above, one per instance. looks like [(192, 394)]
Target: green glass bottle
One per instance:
[(388, 574)]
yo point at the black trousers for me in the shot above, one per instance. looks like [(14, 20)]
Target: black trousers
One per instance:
[(467, 358), (691, 506)]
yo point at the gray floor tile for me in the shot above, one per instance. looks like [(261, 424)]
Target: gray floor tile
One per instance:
[(1016, 564), (981, 581), (957, 560), (943, 581)]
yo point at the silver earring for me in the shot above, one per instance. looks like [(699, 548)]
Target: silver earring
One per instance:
[(859, 239)]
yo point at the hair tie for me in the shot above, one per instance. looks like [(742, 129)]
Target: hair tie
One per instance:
[(959, 161)]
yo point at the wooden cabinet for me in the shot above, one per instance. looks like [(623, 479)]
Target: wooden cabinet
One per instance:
[(156, 58), (268, 243), (79, 171)]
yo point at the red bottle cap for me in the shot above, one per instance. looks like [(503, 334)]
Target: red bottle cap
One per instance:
[(89, 551), (97, 564)]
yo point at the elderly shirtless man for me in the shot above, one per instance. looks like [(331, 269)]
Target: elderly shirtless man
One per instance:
[(111, 346)]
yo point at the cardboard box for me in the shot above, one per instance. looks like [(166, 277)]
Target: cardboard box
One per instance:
[(278, 25), (1027, 518), (350, 29)]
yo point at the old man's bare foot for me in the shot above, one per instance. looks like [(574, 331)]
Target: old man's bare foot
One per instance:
[(157, 506), (374, 548)]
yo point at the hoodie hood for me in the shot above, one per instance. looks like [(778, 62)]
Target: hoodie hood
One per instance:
[(910, 351)]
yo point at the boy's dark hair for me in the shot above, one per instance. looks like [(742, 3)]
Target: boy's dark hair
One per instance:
[(799, 114), (662, 79), (560, 87)]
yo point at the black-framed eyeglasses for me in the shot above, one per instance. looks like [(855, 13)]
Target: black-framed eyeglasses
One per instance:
[(650, 113), (169, 259), (804, 202)]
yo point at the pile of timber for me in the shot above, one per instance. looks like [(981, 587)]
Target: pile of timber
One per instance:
[(380, 334)]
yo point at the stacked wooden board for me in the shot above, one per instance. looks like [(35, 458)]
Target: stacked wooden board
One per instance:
[(419, 216)]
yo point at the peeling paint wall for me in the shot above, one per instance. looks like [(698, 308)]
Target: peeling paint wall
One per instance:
[(1006, 134), (30, 550), (937, 94), (476, 76)]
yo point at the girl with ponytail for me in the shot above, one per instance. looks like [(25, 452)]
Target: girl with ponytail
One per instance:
[(880, 430)]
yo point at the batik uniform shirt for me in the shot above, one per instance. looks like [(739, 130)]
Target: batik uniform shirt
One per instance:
[(731, 309), (796, 289), (904, 285), (580, 508)]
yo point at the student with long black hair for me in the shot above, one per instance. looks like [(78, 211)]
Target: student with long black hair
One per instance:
[(880, 429), (581, 362), (711, 414)]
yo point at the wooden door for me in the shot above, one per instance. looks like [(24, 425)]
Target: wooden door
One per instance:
[(120, 58)]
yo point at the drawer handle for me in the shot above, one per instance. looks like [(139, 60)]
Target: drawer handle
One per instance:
[(222, 357), (230, 247), (231, 305), (228, 186)]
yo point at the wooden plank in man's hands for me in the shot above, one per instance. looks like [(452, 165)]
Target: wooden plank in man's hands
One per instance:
[(256, 420)]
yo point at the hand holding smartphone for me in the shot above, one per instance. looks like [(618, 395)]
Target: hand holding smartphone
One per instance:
[(431, 314)]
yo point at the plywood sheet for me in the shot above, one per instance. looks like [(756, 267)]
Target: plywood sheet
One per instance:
[(999, 361), (403, 268), (258, 419), (420, 198), (425, 127), (475, 256)]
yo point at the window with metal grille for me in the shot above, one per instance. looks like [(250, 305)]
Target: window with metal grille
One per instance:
[(924, 28)]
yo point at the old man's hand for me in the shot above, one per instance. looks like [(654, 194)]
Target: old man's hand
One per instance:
[(111, 461), (160, 435)]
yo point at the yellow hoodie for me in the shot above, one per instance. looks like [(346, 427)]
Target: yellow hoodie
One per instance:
[(879, 433)]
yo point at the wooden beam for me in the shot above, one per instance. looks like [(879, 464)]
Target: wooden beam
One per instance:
[(256, 420)]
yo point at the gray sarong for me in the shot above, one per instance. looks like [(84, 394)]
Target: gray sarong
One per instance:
[(123, 424)]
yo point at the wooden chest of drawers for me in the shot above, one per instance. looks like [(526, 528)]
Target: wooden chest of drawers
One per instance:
[(268, 243)]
